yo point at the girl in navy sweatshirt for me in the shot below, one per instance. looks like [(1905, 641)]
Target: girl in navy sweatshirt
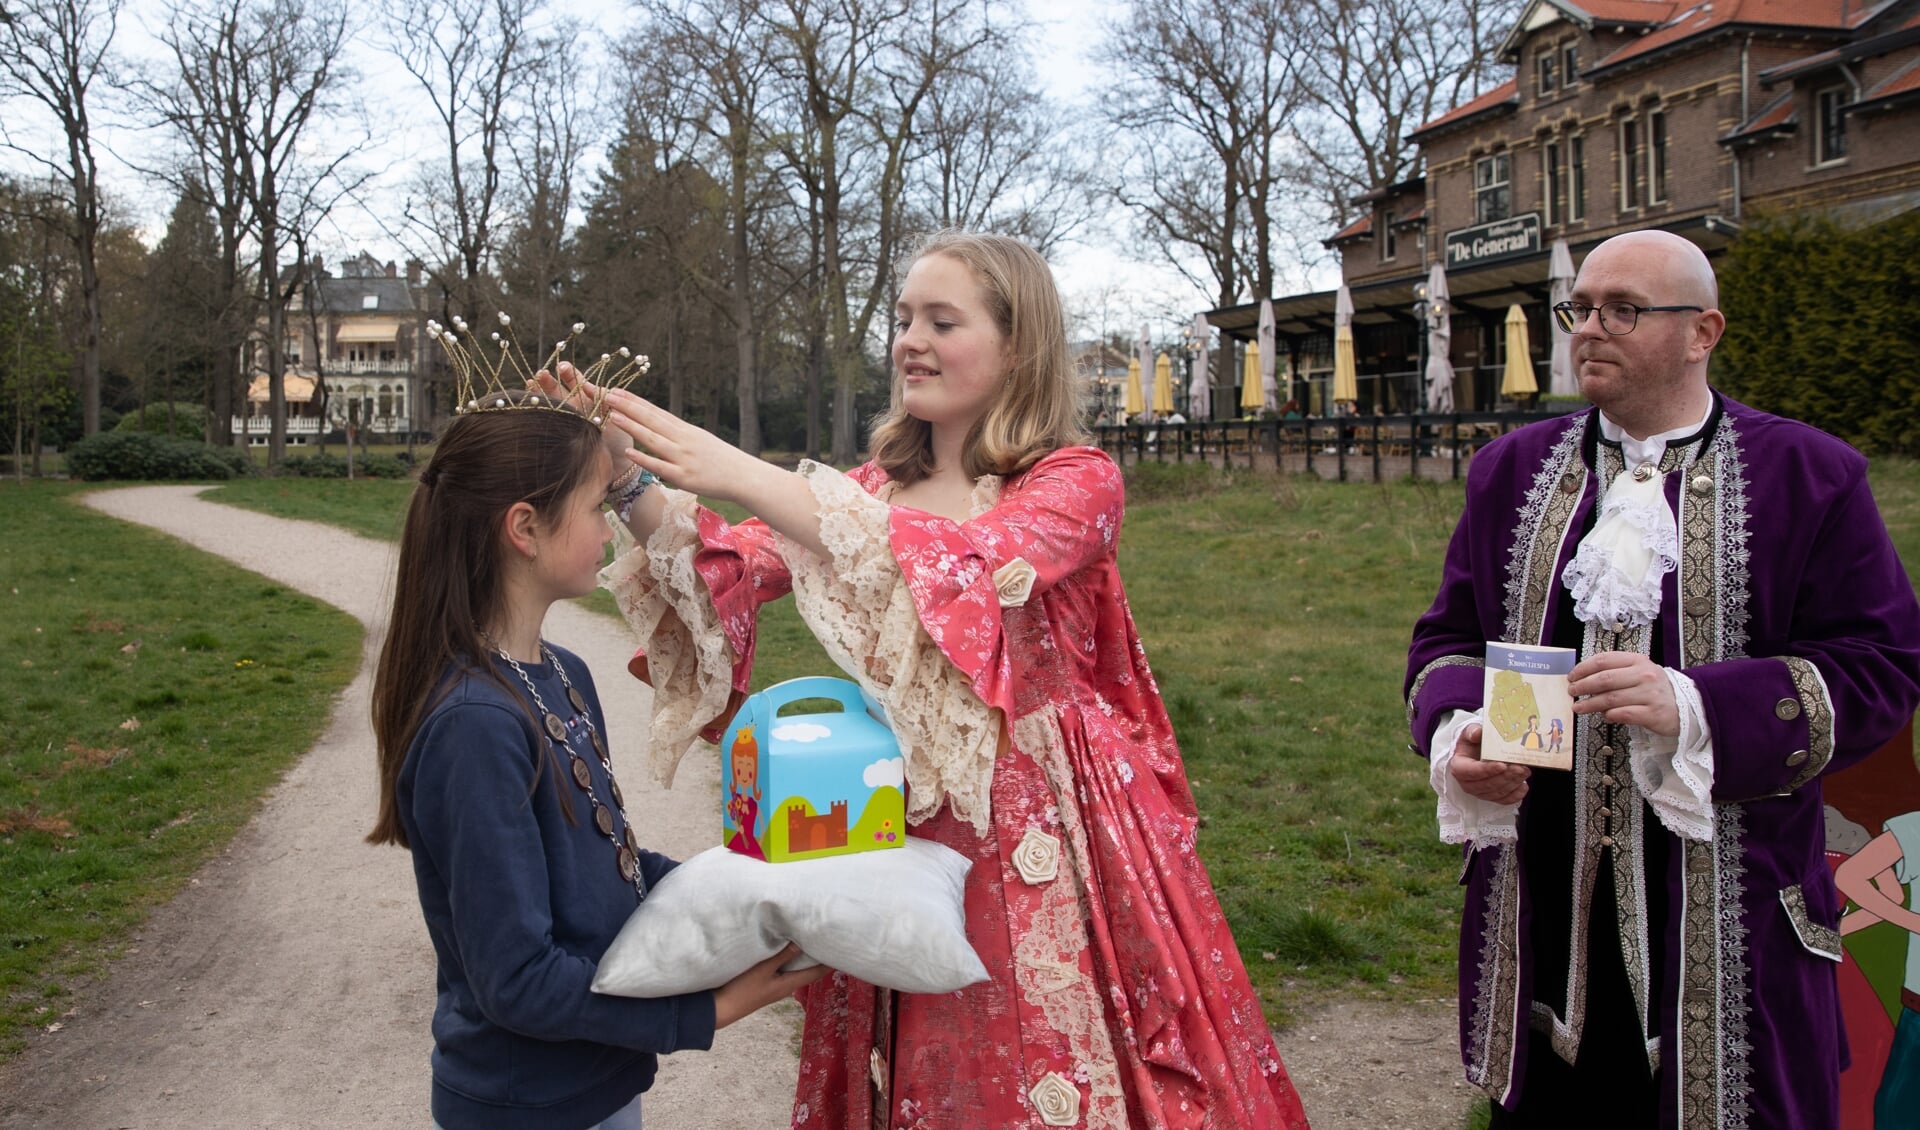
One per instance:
[(494, 772)]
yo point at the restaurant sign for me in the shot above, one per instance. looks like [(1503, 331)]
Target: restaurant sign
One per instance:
[(1501, 239)]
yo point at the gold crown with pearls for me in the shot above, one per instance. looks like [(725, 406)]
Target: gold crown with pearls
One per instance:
[(485, 371)]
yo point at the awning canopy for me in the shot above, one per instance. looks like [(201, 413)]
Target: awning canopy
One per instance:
[(1487, 289), (299, 389), (384, 329)]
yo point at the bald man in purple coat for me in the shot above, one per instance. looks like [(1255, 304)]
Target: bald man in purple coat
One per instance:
[(1649, 938)]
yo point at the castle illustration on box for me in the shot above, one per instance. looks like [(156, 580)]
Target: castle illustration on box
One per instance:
[(792, 784)]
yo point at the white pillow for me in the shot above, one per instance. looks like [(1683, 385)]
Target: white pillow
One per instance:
[(893, 918)]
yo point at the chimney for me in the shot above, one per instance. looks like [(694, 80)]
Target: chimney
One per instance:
[(413, 272), (390, 273)]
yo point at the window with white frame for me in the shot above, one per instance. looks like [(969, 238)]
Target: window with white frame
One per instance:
[(1546, 73), (1388, 248), (1493, 188), (1830, 125), (1629, 163), (1570, 62), (1657, 157)]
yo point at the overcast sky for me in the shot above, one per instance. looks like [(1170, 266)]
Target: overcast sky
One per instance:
[(1100, 274)]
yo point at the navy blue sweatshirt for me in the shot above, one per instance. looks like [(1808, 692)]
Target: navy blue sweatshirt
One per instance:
[(520, 905)]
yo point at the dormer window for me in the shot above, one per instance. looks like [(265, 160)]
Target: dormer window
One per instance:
[(1546, 70), (370, 302), (1388, 248), (1830, 125), (1569, 62)]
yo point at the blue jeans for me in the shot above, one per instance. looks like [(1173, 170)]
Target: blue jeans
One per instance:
[(626, 1118), (1899, 1095)]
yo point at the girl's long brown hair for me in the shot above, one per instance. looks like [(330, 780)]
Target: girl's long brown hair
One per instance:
[(1041, 406), (450, 579)]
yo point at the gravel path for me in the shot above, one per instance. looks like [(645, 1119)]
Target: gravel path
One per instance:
[(291, 984)]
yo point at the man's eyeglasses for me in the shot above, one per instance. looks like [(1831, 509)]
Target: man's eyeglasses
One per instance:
[(1615, 317)]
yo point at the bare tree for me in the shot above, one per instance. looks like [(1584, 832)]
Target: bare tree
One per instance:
[(52, 52), (1202, 105), (547, 142), (860, 73), (996, 158), (711, 73), (474, 59), (1377, 69)]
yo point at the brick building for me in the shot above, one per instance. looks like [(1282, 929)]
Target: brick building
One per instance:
[(370, 323), (1623, 114)]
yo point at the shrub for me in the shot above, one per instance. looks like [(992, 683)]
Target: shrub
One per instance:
[(189, 420), (144, 456), (331, 466)]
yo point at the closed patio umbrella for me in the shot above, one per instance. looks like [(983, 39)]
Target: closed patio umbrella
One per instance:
[(1518, 380), (1143, 355), (1346, 381), (1251, 398), (1162, 385), (1346, 373), (1134, 404), (1269, 391), (1439, 374), (1199, 386), (1563, 380)]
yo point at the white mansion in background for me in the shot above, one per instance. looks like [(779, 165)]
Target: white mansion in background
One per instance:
[(370, 322)]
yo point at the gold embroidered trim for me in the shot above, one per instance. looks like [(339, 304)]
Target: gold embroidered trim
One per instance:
[(1420, 680), (1823, 941), (1541, 534), (1495, 1028), (1819, 715)]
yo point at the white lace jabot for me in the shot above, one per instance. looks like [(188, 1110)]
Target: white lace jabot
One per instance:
[(1615, 575)]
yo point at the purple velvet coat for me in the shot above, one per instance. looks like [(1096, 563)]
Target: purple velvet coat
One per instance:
[(1791, 613)]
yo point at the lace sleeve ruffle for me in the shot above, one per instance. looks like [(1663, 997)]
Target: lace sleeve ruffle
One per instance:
[(859, 608), (689, 660)]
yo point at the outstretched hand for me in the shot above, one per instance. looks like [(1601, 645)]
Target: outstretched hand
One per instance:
[(685, 455), (569, 387), (761, 986)]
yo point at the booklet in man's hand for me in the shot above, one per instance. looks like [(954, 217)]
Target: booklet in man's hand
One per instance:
[(1528, 718)]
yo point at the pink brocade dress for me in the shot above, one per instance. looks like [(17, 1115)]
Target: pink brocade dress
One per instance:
[(1038, 747)]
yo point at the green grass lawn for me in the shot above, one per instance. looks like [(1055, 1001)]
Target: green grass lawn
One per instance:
[(152, 695)]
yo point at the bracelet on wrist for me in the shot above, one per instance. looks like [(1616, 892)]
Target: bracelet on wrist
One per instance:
[(630, 494), (621, 482)]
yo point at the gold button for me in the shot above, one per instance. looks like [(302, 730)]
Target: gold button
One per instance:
[(1606, 841), (1699, 606), (1787, 709), (1569, 484), (1702, 484), (1797, 757), (1605, 811), (1606, 751), (1606, 779), (1643, 472)]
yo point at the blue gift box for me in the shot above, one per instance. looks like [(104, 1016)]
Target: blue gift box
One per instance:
[(808, 785)]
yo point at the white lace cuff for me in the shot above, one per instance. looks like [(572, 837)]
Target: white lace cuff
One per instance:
[(1615, 575), (1465, 818), (862, 612), (663, 598), (1676, 774)]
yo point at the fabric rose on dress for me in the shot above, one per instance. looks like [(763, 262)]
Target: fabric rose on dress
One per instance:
[(1056, 1100), (1037, 857), (1014, 582)]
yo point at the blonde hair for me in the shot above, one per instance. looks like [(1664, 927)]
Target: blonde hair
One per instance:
[(1041, 403)]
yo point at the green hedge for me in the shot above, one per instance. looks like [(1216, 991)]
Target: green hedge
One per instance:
[(1823, 325), (330, 466), (143, 455), (189, 420)]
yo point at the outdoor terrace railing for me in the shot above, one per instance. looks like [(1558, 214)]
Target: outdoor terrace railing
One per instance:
[(1438, 446)]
